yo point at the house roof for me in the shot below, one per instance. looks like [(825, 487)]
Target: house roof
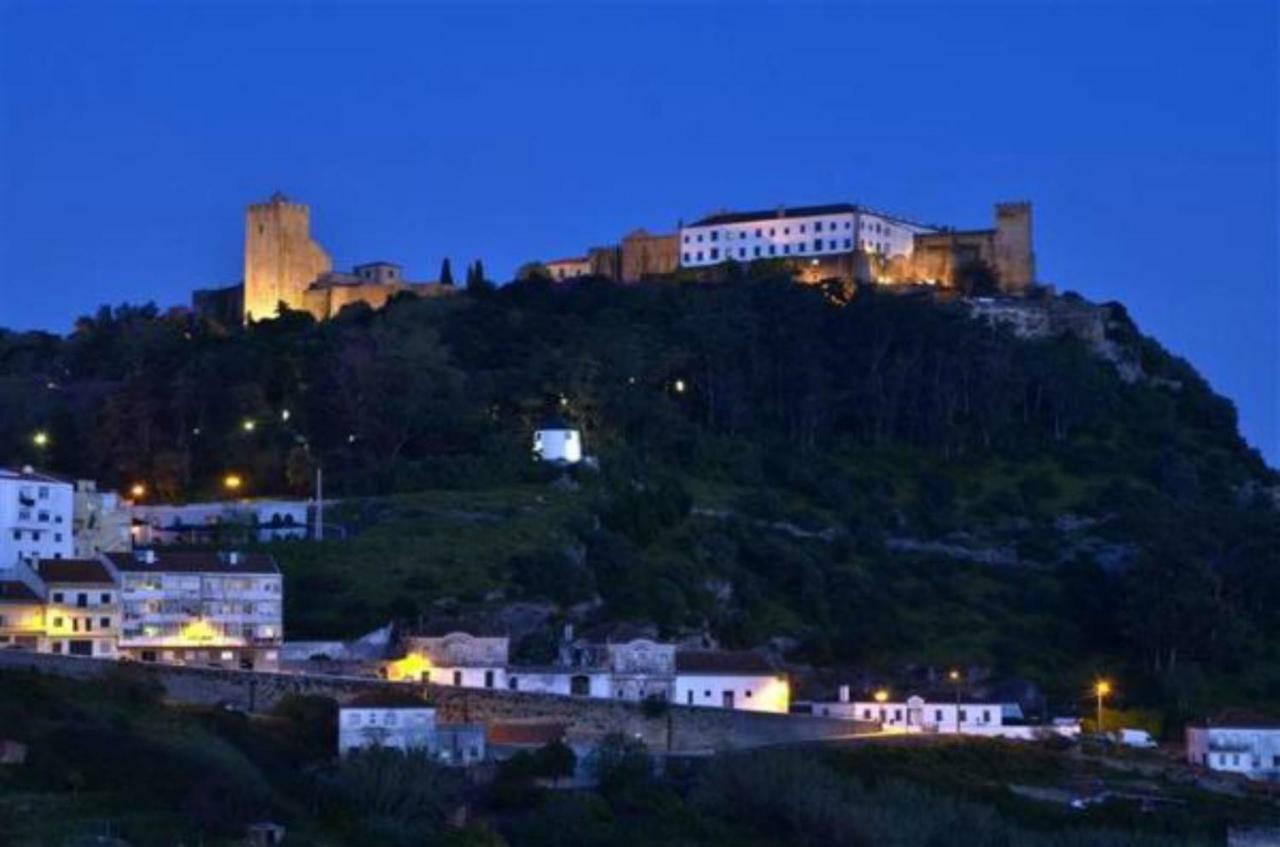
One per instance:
[(17, 591), (1234, 718), (728, 662), (79, 571), (204, 561), (385, 698), (27, 474), (530, 734), (780, 212), (552, 422)]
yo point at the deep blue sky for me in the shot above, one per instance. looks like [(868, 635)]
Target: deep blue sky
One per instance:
[(1146, 136)]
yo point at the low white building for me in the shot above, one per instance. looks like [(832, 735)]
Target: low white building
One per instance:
[(799, 232), (934, 715), (570, 268), (206, 608), (35, 517), (558, 442), (445, 654), (220, 521), (1237, 742), (386, 719), (730, 680)]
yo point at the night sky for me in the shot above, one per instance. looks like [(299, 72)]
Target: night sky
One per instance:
[(1145, 135)]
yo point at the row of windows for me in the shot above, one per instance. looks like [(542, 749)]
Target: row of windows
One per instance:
[(82, 598), (771, 250), (869, 714), (41, 517), (831, 226), (34, 534), (82, 624)]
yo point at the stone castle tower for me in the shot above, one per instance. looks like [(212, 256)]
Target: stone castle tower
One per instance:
[(1015, 261), (280, 259)]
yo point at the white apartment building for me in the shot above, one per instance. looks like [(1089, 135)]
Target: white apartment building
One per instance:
[(35, 517), (213, 609), (1237, 742), (82, 606), (800, 232)]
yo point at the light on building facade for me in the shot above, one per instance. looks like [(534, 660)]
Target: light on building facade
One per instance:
[(412, 668)]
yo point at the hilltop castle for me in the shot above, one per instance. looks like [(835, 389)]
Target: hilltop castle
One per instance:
[(283, 265)]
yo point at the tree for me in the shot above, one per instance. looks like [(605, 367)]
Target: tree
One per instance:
[(446, 273), (555, 761), (976, 278)]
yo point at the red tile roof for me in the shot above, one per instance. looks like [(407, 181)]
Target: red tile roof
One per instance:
[(529, 734), (194, 562), (79, 571), (16, 591)]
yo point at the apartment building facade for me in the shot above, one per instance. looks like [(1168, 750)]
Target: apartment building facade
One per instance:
[(81, 607), (35, 517)]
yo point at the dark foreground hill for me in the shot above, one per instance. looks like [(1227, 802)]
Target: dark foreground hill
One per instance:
[(881, 483)]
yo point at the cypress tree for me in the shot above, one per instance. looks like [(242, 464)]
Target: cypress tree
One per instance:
[(446, 273)]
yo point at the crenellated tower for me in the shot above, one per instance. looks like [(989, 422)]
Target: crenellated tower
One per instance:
[(280, 259)]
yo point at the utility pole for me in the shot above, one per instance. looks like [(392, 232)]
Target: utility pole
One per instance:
[(319, 503)]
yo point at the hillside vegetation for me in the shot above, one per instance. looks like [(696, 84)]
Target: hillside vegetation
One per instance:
[(880, 483)]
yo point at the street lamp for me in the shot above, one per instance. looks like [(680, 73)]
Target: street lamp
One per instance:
[(954, 676), (40, 438), (1101, 688), (138, 491), (249, 425), (285, 415), (881, 696), (232, 482), (679, 386)]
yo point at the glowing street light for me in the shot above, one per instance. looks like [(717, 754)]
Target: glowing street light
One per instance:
[(881, 696), (40, 438), (285, 415), (680, 386), (249, 425), (954, 676), (232, 482), (1101, 688), (138, 491)]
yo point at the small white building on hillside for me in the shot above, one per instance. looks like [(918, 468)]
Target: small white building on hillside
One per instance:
[(448, 654), (935, 714), (730, 680), (386, 719), (557, 441), (35, 517), (1237, 742)]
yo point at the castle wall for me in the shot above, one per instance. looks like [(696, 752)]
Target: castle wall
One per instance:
[(1015, 262), (644, 255), (681, 728), (280, 259)]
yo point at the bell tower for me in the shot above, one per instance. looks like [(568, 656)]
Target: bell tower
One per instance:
[(280, 259)]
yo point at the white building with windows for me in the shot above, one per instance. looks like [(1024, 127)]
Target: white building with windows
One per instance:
[(1237, 742), (386, 719), (82, 606), (447, 655), (730, 680), (35, 517), (936, 714), (799, 232), (557, 441), (203, 608), (101, 521)]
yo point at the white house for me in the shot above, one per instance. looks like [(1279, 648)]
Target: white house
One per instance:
[(1237, 742), (35, 517), (82, 606), (804, 232), (934, 715), (446, 654), (21, 609), (570, 268), (386, 719), (260, 520), (557, 441), (730, 680), (217, 609)]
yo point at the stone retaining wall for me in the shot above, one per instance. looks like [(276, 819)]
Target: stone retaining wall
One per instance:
[(678, 728)]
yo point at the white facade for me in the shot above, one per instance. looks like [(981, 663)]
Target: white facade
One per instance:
[(562, 269), (219, 609), (35, 517), (806, 232), (401, 727), (1250, 750), (558, 444), (263, 520), (915, 714), (82, 607), (747, 692)]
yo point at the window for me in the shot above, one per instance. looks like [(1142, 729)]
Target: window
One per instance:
[(743, 235), (786, 248), (742, 252), (817, 244), (937, 716), (817, 226), (866, 714), (57, 596), (699, 238), (986, 716), (106, 598), (513, 682), (689, 697), (964, 715), (43, 517), (686, 257), (488, 679), (715, 253), (57, 623), (848, 243), (726, 699), (772, 250), (686, 239), (699, 255), (43, 492), (897, 715), (846, 224), (57, 536), (105, 623), (759, 233), (82, 600), (715, 234), (457, 677), (786, 230), (831, 245), (771, 231), (88, 624), (801, 228), (757, 252)]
